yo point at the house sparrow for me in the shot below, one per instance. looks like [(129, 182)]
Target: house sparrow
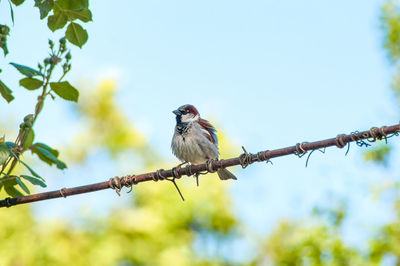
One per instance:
[(195, 140)]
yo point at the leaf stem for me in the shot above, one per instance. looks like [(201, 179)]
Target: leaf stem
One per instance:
[(23, 134)]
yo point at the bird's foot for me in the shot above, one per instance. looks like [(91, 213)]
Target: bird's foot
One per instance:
[(179, 166), (175, 170)]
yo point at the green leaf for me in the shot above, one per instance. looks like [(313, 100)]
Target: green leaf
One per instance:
[(45, 6), (30, 83), (48, 157), (5, 30), (13, 192), (17, 2), (38, 148), (26, 71), (46, 147), (57, 21), (34, 180), (65, 90), (83, 14), (73, 4), (76, 34), (6, 92), (5, 49), (22, 185), (4, 153), (29, 139), (31, 170), (12, 13)]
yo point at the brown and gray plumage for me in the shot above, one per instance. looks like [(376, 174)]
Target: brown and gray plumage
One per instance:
[(195, 140)]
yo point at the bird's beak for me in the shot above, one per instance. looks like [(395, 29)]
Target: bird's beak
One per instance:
[(177, 112)]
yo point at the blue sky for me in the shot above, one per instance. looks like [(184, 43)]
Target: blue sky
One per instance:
[(269, 73)]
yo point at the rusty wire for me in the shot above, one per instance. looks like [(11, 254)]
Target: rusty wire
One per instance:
[(300, 149)]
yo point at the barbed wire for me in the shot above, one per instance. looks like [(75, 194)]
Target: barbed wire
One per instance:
[(245, 159)]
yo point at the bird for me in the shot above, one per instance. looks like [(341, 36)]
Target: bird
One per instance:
[(195, 140)]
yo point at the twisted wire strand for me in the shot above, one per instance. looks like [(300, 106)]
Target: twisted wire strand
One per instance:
[(62, 192), (209, 164), (116, 183), (300, 151), (339, 141), (245, 158), (8, 203)]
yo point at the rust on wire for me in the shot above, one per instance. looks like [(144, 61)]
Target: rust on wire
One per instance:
[(245, 159)]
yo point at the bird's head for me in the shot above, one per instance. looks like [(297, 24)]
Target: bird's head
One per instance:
[(186, 113)]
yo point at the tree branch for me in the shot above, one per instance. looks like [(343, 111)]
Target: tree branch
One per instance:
[(211, 166)]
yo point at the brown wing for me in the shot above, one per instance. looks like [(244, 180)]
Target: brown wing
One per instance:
[(212, 136)]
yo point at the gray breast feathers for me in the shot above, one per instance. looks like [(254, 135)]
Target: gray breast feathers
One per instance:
[(193, 146)]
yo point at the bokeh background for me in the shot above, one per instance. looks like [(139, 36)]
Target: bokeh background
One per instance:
[(267, 74)]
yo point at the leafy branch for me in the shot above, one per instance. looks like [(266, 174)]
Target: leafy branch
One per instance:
[(58, 13), (12, 151)]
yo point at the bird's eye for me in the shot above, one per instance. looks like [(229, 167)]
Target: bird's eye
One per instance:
[(184, 112)]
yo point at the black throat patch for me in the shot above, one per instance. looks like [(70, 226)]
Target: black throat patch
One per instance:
[(181, 127)]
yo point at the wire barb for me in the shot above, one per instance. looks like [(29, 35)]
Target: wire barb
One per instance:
[(348, 149), (177, 188), (115, 183), (62, 192), (189, 172), (245, 158), (129, 181), (176, 175), (209, 164), (8, 203), (158, 176), (262, 156), (300, 151), (309, 155), (355, 136), (339, 141)]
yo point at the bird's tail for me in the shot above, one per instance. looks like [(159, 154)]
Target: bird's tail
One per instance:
[(225, 174)]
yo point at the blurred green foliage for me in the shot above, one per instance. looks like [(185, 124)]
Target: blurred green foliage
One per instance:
[(378, 154), (155, 230), (107, 127), (387, 241), (390, 24), (305, 243)]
